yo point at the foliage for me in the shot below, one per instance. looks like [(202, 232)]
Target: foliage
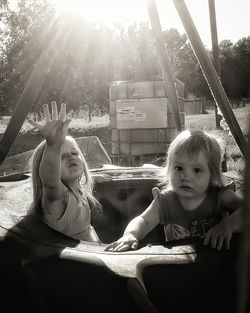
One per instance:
[(22, 39), (184, 63), (235, 67)]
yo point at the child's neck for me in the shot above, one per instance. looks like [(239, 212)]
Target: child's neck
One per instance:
[(73, 186), (191, 204)]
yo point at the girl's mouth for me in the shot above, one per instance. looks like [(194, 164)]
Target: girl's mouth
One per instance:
[(72, 165), (185, 187)]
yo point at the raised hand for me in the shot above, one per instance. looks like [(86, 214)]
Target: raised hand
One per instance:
[(55, 126)]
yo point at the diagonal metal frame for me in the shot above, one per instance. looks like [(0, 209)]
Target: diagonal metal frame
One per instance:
[(226, 109), (164, 62), (210, 75), (34, 84)]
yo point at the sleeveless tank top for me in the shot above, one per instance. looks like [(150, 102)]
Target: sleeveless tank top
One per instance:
[(75, 222), (179, 223)]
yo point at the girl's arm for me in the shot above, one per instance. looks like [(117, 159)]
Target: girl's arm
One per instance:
[(233, 203), (50, 174), (231, 200), (54, 131), (222, 233), (137, 229)]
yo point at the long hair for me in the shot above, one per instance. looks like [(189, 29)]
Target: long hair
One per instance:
[(85, 189), (191, 143)]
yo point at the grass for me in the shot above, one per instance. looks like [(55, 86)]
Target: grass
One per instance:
[(99, 125), (207, 121), (235, 160)]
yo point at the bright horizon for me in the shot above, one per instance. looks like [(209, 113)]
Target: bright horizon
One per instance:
[(231, 15)]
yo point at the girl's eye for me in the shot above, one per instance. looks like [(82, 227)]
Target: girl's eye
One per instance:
[(197, 170), (74, 153), (178, 168)]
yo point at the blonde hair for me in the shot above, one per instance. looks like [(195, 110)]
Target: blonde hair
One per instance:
[(85, 189), (191, 143)]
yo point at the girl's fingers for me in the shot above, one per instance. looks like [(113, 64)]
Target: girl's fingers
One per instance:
[(220, 243), (224, 240), (123, 248), (135, 245), (46, 113), (120, 246), (214, 241), (62, 113), (111, 246), (54, 110), (65, 125), (227, 242), (35, 124), (207, 239), (116, 246)]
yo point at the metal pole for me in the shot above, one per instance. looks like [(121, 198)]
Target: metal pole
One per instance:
[(54, 42), (215, 50), (214, 37), (164, 62), (211, 75)]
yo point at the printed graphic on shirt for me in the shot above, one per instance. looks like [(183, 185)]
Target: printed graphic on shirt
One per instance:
[(197, 229), (175, 232), (200, 228)]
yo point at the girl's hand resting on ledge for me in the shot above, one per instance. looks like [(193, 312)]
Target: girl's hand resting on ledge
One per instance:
[(126, 242)]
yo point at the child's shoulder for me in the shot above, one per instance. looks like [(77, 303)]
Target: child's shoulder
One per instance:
[(221, 189), (157, 192), (228, 188), (222, 195)]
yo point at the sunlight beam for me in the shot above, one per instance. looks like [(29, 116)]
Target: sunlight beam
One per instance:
[(105, 12)]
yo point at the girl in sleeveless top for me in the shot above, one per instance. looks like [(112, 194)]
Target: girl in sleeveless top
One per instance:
[(62, 185), (193, 200)]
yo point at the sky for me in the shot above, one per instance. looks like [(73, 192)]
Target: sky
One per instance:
[(232, 16)]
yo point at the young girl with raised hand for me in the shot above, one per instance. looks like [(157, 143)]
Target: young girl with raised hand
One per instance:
[(194, 202), (62, 185)]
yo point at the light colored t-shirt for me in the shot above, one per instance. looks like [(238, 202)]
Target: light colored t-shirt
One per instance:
[(75, 222)]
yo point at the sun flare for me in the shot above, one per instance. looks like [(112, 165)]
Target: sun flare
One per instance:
[(107, 12)]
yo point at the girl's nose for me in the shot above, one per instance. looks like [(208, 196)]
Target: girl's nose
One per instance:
[(71, 157), (184, 176)]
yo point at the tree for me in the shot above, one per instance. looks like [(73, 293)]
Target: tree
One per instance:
[(227, 65), (3, 4), (235, 67), (22, 36), (184, 63), (242, 64)]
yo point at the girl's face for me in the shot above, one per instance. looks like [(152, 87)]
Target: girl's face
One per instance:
[(71, 162), (190, 177)]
